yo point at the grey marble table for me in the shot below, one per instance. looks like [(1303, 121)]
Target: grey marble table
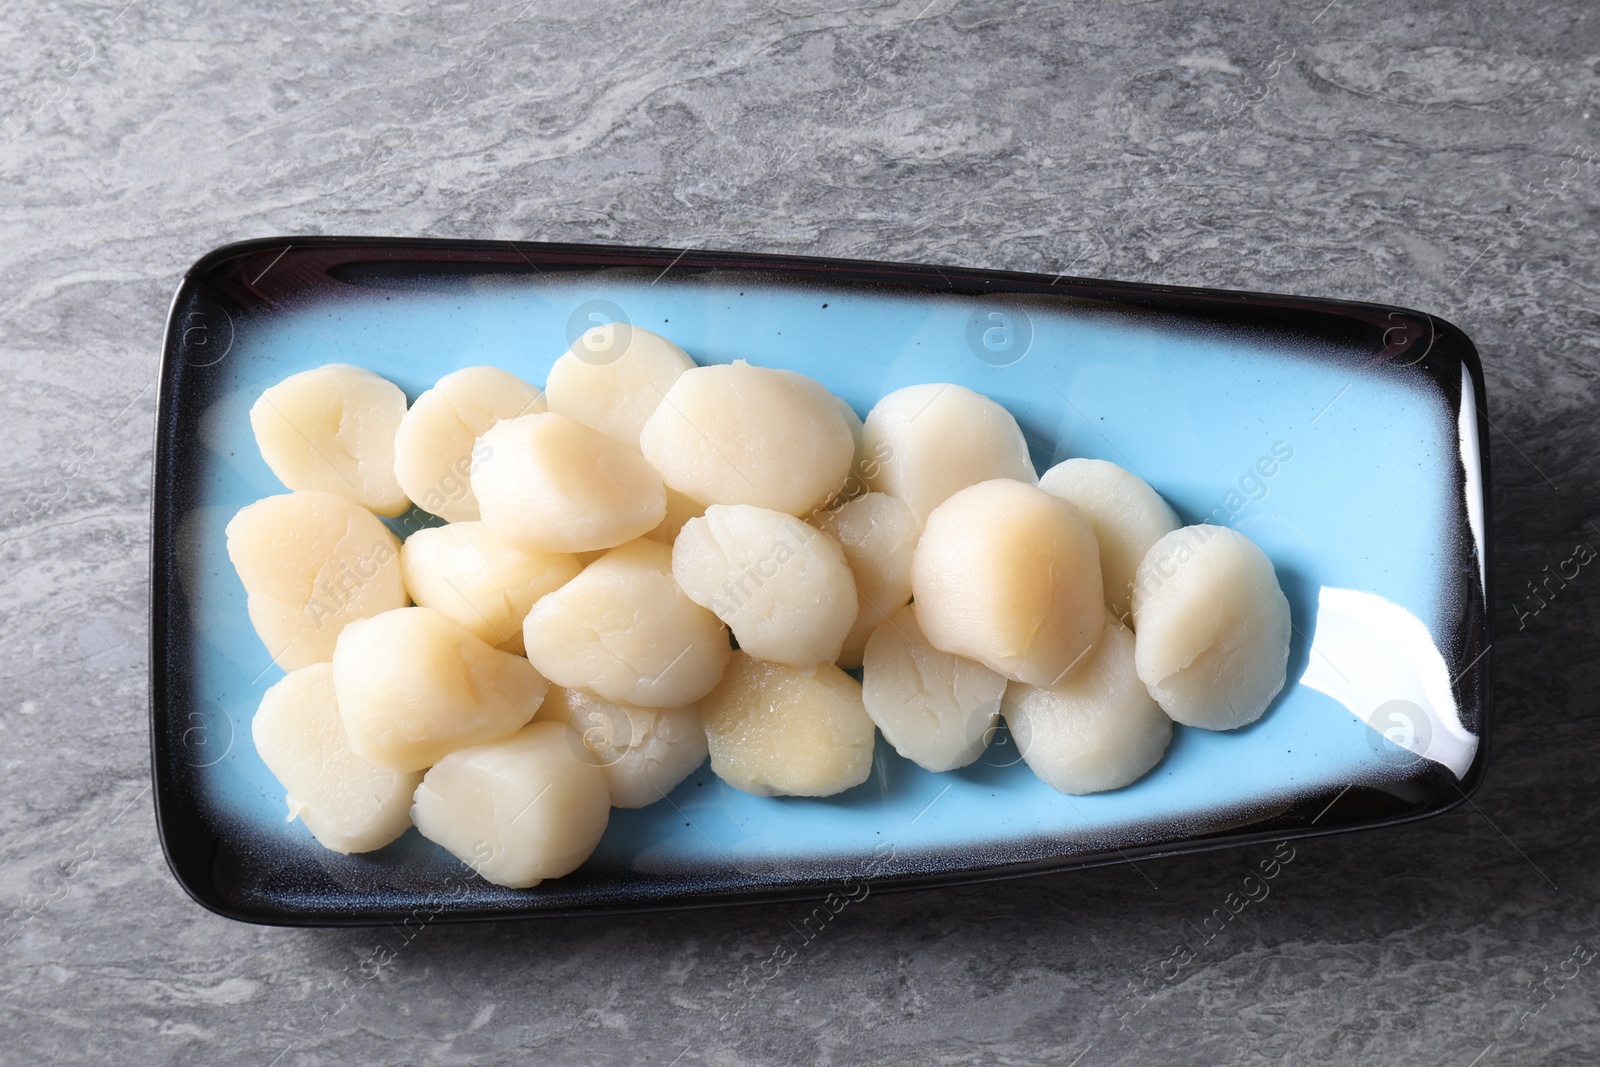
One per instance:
[(1438, 156)]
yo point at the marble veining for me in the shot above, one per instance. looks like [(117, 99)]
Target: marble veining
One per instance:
[(1437, 156)]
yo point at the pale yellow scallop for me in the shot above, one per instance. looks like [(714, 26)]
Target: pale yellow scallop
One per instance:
[(413, 686), (855, 483), (349, 804), (879, 535), (1097, 730), (644, 752), (928, 441), (478, 580), (550, 483), (434, 446), (518, 810), (1213, 626), (775, 730), (937, 710), (332, 429), (613, 378), (783, 587), (737, 434), (854, 422), (624, 630), (1008, 575), (1128, 518), (680, 509), (312, 563)]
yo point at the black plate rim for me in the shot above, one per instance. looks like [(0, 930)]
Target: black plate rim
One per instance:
[(184, 862)]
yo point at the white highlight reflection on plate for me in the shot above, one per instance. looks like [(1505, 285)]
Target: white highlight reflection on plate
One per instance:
[(1472, 466), (1370, 655)]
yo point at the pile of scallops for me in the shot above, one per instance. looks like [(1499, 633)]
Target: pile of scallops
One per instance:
[(560, 645)]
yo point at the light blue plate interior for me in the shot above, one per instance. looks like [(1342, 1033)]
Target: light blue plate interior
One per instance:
[(1364, 466)]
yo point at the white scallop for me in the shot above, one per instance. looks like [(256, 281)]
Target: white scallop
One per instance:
[(855, 483), (434, 446), (332, 429), (624, 630), (1099, 729), (1127, 515), (1008, 575), (931, 440), (1213, 627), (937, 710), (644, 752), (311, 564), (478, 580), (783, 587), (413, 686), (853, 421), (348, 803), (613, 378), (878, 534), (737, 434), (518, 810), (550, 483), (775, 730)]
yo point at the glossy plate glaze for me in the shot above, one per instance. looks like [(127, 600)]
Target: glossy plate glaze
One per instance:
[(1346, 439)]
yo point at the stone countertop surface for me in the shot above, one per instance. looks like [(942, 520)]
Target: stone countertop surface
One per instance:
[(1436, 156)]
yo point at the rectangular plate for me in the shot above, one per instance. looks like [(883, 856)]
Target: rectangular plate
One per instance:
[(1344, 438)]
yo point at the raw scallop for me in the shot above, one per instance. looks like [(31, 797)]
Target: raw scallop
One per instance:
[(932, 440), (464, 571), (1008, 575), (434, 446), (738, 434), (1099, 729), (680, 509), (332, 429), (413, 686), (937, 710), (519, 810), (311, 564), (348, 803), (775, 730), (613, 378), (644, 752), (550, 483), (1127, 515), (622, 629), (1213, 627), (878, 534), (783, 587)]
